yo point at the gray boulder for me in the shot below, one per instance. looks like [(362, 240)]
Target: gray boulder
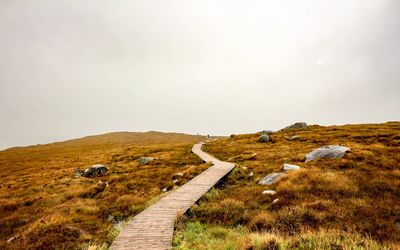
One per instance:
[(270, 179), (263, 138), (327, 152), (297, 125), (288, 167), (93, 171), (267, 132), (145, 160)]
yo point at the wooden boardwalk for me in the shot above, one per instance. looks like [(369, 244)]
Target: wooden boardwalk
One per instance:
[(154, 227)]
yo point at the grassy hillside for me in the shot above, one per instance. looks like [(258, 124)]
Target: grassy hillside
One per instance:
[(348, 203), (43, 205)]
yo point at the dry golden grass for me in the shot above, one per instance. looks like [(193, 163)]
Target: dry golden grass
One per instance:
[(44, 206), (357, 195)]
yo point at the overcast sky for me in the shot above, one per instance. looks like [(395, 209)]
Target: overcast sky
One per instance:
[(70, 68)]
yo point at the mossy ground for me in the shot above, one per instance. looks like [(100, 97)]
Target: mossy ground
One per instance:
[(44, 206), (348, 203)]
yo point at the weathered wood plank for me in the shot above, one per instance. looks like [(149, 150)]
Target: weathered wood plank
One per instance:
[(154, 227)]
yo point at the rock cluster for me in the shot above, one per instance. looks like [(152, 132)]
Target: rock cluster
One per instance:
[(297, 125), (93, 171)]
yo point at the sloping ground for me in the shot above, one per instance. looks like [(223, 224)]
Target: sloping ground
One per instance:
[(348, 203), (43, 205)]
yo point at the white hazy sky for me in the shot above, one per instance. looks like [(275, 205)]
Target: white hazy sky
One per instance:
[(70, 68)]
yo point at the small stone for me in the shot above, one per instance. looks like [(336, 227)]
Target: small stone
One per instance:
[(118, 225), (179, 174), (165, 190), (145, 160), (270, 179), (11, 239), (263, 138), (78, 173), (294, 138), (245, 168), (327, 152), (175, 181), (288, 167), (251, 174), (275, 201), (269, 192), (251, 157)]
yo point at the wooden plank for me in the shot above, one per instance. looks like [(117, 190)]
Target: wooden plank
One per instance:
[(154, 227)]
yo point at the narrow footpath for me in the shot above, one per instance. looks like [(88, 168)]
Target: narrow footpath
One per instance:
[(154, 227)]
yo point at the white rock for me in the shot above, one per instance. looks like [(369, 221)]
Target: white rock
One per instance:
[(275, 201), (11, 239), (110, 218), (328, 152), (245, 168), (145, 160), (179, 174), (251, 174), (269, 192), (175, 181), (294, 138), (165, 190), (288, 167)]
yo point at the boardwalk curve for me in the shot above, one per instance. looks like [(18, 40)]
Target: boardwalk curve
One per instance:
[(154, 227)]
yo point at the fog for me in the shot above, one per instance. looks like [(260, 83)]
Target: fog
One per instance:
[(71, 68)]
